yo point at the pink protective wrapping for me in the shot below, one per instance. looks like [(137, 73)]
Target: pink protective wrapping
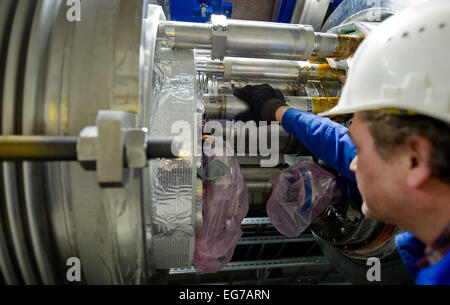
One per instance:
[(301, 192), (225, 204)]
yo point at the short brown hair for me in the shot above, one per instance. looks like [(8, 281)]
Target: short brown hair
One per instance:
[(391, 130)]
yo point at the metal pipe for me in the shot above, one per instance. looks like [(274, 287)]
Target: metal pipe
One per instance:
[(38, 148), (260, 39), (245, 141), (163, 147), (239, 68), (187, 35), (48, 148), (258, 174), (288, 89), (208, 84), (259, 186), (229, 107), (335, 45)]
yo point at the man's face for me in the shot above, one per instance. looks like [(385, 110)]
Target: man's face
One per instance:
[(378, 180)]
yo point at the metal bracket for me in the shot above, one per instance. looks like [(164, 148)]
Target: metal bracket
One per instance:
[(219, 36), (101, 147), (115, 145)]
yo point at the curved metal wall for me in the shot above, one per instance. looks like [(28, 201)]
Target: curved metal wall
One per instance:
[(57, 75)]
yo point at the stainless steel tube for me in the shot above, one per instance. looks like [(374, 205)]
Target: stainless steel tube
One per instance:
[(261, 39), (208, 84), (229, 107), (246, 141), (188, 35), (240, 68)]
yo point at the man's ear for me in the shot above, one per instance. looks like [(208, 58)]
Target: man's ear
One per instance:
[(418, 151)]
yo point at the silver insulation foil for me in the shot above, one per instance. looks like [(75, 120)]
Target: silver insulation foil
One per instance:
[(171, 100)]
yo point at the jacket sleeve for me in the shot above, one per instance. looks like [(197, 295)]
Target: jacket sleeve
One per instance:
[(326, 139)]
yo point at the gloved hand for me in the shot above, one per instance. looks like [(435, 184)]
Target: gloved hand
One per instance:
[(263, 100)]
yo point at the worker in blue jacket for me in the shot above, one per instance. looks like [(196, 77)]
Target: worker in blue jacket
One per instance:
[(397, 147)]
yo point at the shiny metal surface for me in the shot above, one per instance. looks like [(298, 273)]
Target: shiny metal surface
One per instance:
[(37, 148), (60, 74), (104, 225), (230, 107), (7, 12), (239, 68), (256, 39), (259, 186), (57, 76), (32, 110), (14, 69)]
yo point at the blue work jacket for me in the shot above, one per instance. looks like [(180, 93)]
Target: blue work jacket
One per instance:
[(324, 138), (330, 142), (412, 252)]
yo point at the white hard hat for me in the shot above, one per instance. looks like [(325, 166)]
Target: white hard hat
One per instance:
[(404, 64)]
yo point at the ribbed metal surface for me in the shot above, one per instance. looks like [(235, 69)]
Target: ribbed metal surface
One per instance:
[(54, 77), (7, 256), (11, 119)]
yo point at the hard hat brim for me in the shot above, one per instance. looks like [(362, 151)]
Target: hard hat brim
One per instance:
[(384, 104)]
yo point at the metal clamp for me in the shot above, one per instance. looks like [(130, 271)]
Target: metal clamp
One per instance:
[(219, 36)]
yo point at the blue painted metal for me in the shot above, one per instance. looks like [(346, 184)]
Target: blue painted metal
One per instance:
[(198, 10), (334, 4), (285, 11)]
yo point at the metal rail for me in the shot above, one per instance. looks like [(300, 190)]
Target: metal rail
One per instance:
[(274, 240), (261, 264), (256, 221)]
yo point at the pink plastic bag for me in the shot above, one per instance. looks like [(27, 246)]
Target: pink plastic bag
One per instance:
[(225, 204), (301, 192)]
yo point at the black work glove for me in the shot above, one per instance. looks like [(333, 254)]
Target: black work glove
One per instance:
[(263, 100)]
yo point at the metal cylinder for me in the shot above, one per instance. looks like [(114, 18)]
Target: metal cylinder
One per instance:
[(187, 35), (163, 147), (259, 186), (245, 141), (37, 148), (54, 211), (288, 89), (208, 84), (239, 68), (229, 107), (256, 174), (261, 39), (335, 46)]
